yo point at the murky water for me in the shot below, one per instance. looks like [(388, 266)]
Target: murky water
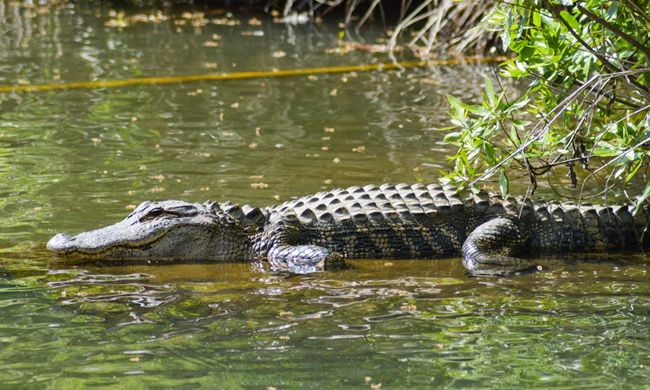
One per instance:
[(76, 159)]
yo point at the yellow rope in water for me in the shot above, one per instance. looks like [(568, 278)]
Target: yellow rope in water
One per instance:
[(245, 75)]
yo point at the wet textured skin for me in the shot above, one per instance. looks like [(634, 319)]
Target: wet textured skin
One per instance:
[(320, 231)]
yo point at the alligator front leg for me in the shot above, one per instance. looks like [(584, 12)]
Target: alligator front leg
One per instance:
[(303, 259), (488, 249)]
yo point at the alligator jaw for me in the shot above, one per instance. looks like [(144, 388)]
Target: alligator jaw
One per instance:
[(64, 245), (96, 244)]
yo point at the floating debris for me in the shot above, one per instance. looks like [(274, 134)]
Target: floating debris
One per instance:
[(225, 22), (294, 18)]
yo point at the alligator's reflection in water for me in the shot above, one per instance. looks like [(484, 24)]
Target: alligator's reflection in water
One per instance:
[(400, 315)]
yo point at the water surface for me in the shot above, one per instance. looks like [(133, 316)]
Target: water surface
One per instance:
[(77, 159)]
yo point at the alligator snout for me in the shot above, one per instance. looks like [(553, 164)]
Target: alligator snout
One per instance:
[(60, 243)]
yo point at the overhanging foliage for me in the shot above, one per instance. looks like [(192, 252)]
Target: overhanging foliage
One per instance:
[(588, 102)]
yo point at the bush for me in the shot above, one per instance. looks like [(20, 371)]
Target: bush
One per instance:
[(588, 101)]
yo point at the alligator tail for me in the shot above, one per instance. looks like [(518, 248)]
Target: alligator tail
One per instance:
[(586, 226)]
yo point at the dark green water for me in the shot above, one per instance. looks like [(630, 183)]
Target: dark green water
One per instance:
[(76, 159)]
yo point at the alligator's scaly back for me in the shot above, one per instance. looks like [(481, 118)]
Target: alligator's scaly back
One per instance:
[(395, 222), (401, 221)]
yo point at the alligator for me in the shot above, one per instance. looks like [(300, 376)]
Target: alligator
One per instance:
[(318, 232)]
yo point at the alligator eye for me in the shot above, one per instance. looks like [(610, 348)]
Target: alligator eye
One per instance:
[(153, 213)]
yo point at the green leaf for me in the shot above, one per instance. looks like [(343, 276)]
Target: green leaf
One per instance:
[(570, 20), (633, 171), (489, 91), (505, 36), (537, 20), (522, 23), (611, 10), (518, 46), (453, 136), (478, 110), (504, 185), (642, 198), (586, 67), (456, 106), (517, 105), (527, 53), (605, 152), (489, 152)]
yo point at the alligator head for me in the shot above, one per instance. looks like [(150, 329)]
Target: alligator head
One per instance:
[(171, 230)]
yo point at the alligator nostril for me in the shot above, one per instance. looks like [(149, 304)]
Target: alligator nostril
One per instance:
[(59, 242)]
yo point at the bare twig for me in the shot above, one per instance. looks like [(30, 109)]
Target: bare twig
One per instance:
[(367, 14)]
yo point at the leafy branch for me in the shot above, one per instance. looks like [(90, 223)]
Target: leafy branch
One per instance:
[(587, 103)]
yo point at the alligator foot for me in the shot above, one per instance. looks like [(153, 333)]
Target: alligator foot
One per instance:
[(487, 250), (303, 259)]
